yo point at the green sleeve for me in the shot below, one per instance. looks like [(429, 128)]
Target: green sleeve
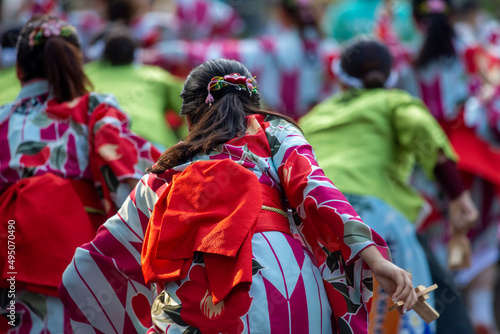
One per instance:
[(173, 88), (419, 133)]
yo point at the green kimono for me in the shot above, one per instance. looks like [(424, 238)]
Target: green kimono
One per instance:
[(145, 93), (367, 142)]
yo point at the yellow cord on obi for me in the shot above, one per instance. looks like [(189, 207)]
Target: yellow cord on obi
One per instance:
[(279, 211)]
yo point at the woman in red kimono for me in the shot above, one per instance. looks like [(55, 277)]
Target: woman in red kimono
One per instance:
[(218, 252)]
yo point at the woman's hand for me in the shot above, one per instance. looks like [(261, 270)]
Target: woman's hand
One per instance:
[(394, 280), (397, 283), (462, 213)]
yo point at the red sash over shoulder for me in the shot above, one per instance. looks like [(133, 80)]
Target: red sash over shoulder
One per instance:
[(213, 207), (477, 156)]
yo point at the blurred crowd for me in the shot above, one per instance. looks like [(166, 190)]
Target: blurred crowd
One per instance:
[(447, 53)]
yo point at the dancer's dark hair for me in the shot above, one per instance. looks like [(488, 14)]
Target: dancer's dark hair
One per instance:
[(55, 58), (121, 11), (302, 16), (368, 60), (438, 30), (119, 48), (217, 123)]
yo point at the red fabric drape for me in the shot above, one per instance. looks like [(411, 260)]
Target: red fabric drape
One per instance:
[(213, 207)]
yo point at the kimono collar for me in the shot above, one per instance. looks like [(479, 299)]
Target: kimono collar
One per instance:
[(36, 88)]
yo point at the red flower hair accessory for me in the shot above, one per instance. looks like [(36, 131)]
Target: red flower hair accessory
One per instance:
[(49, 29), (236, 80), (434, 7)]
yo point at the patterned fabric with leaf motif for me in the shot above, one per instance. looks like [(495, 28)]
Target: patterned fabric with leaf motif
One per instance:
[(39, 136), (104, 289)]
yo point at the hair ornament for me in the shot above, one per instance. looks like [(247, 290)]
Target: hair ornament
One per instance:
[(354, 82), (235, 80), (51, 28), (345, 78), (434, 7)]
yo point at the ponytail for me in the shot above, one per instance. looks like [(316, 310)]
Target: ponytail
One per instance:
[(217, 120), (64, 69), (218, 124), (374, 79)]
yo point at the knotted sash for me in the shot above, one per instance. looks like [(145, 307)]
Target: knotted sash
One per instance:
[(213, 207)]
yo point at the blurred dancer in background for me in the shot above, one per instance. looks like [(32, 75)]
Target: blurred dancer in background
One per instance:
[(378, 135), (451, 73), (68, 162), (448, 72), (346, 19), (150, 95), (9, 85), (290, 59)]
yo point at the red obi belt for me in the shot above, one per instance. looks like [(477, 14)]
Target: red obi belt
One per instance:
[(213, 207), (51, 217)]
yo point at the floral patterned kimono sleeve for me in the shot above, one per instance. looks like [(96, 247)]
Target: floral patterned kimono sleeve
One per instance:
[(103, 288), (321, 205), (127, 154), (116, 153), (330, 228)]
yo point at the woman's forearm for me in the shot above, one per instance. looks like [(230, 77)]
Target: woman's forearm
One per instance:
[(371, 255)]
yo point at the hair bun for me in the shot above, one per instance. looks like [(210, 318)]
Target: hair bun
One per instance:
[(374, 79)]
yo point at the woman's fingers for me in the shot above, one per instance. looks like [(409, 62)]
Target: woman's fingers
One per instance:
[(463, 212), (400, 285), (411, 299), (409, 303), (405, 291), (471, 215), (393, 278)]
